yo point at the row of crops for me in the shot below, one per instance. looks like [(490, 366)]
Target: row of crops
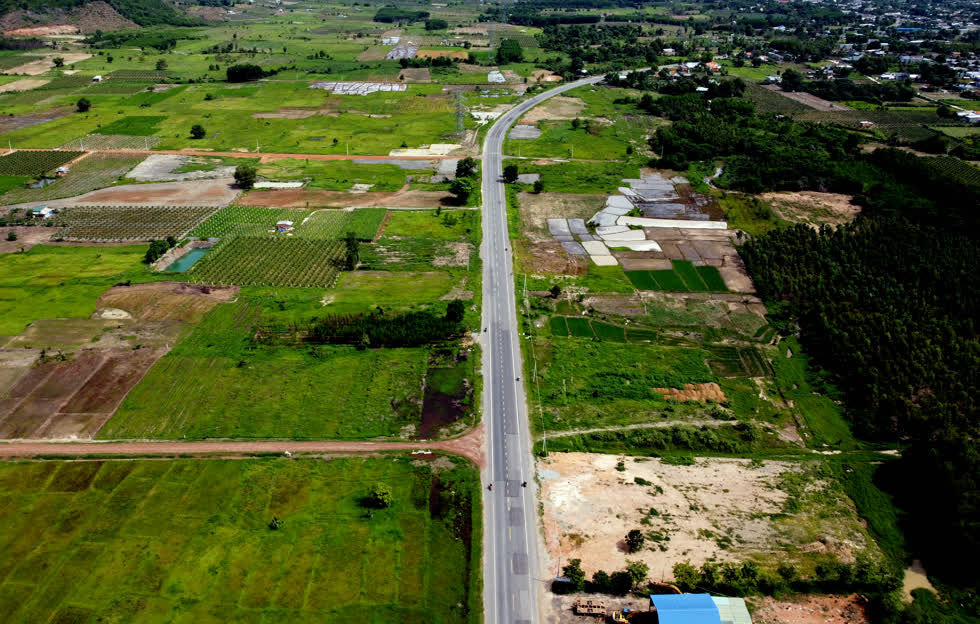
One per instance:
[(129, 223), (580, 327), (683, 277), (956, 168), (319, 224), (94, 172), (31, 163), (112, 142), (269, 261)]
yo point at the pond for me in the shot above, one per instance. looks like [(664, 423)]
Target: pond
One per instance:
[(186, 261), (42, 182)]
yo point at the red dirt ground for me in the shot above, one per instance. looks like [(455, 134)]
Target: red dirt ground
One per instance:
[(811, 610), (300, 198)]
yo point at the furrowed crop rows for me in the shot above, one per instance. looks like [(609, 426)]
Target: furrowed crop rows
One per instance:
[(138, 75), (956, 168), (905, 125), (95, 172), (28, 163), (112, 142), (320, 224), (246, 221), (269, 261), (126, 223)]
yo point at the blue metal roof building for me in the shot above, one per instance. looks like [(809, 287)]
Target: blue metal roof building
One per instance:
[(685, 609), (699, 609)]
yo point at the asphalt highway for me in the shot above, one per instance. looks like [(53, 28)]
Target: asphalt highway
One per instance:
[(511, 580)]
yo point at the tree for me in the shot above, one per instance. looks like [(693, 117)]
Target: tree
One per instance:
[(574, 573), (637, 570), (83, 105), (198, 131), (246, 72), (555, 291), (380, 496), (576, 123), (161, 65), (245, 176), (510, 174), (352, 248), (792, 80), (11, 235), (538, 186), (455, 311), (462, 188), (634, 540), (509, 52), (601, 582), (466, 167), (58, 61), (157, 248), (620, 583), (436, 24)]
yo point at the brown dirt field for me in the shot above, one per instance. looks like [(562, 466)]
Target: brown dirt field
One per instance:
[(543, 75), (590, 506), (694, 392), (557, 108), (300, 198), (217, 192), (549, 258), (650, 263), (73, 398), (43, 63), (166, 301), (8, 123), (27, 237), (470, 30), (284, 112), (466, 68), (373, 54), (23, 85), (41, 31), (813, 208), (808, 99), (537, 208), (415, 74), (459, 54), (810, 610)]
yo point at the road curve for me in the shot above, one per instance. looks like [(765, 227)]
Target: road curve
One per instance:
[(511, 584)]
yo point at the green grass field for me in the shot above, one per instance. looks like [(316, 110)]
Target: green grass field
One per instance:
[(52, 282), (189, 541), (685, 277), (335, 175)]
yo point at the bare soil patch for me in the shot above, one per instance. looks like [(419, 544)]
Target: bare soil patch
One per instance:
[(459, 54), (44, 63), (8, 123), (373, 54), (810, 610), (301, 198), (27, 237), (23, 85), (415, 74), (715, 510), (217, 192), (454, 254), (813, 208), (167, 301), (543, 75), (537, 208), (42, 31), (466, 68), (694, 392), (809, 99), (557, 108), (550, 258)]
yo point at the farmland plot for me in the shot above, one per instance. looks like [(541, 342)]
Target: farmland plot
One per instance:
[(267, 261), (189, 541), (130, 223), (28, 163), (93, 172)]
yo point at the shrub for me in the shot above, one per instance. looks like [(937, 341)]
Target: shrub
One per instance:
[(198, 131), (245, 176), (634, 540), (246, 72), (380, 496), (83, 105), (510, 174)]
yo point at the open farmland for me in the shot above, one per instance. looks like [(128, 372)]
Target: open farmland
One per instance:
[(130, 223), (28, 163), (189, 540), (94, 172), (265, 261)]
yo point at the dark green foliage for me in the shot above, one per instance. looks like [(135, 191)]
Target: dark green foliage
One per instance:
[(157, 249), (510, 174), (462, 188), (467, 167), (634, 540), (28, 163), (579, 327), (83, 105), (726, 439), (436, 24), (620, 583), (132, 125), (712, 278), (143, 12), (412, 329), (380, 496), (245, 72), (668, 281), (601, 583), (455, 311), (391, 14), (558, 326), (845, 89), (792, 80), (245, 176), (198, 131), (509, 52), (352, 251), (685, 270), (642, 280)]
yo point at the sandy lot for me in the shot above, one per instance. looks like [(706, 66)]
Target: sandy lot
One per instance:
[(165, 301), (23, 85), (810, 610), (372, 54), (301, 198), (8, 123), (27, 237), (537, 208), (218, 192), (415, 74), (717, 509), (557, 108), (43, 63), (460, 54), (812, 207), (42, 31), (808, 99)]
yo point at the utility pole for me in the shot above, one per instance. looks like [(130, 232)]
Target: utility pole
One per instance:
[(460, 115)]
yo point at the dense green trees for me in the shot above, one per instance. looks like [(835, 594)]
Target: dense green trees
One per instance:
[(245, 176), (244, 72), (411, 329), (509, 52)]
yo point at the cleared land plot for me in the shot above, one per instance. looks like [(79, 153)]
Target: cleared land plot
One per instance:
[(265, 261), (16, 122), (808, 99), (180, 540), (812, 207), (302, 198), (537, 208), (25, 84), (93, 172), (130, 223), (165, 301), (713, 510), (44, 63), (557, 108), (192, 193)]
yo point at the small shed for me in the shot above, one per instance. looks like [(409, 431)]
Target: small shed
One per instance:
[(96, 78), (284, 226), (42, 212), (685, 609), (62, 170)]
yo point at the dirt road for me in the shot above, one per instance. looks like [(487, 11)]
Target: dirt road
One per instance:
[(470, 446), (262, 155)]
